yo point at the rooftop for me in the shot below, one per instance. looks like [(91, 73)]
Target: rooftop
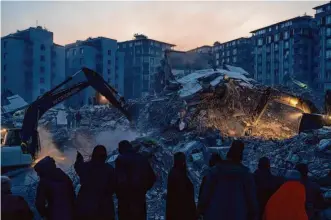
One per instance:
[(88, 40), (138, 37), (305, 17), (18, 32), (321, 6)]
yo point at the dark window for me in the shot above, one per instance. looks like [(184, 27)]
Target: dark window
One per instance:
[(5, 44), (116, 76), (4, 67), (42, 69), (42, 91), (42, 80), (42, 58), (109, 52), (5, 55), (81, 61), (81, 50), (108, 71), (109, 62), (4, 79), (42, 47), (74, 52)]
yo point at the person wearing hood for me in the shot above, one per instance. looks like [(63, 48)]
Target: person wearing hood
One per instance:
[(288, 202), (180, 192), (13, 207), (134, 177), (55, 196), (266, 183), (97, 180), (314, 197), (229, 190)]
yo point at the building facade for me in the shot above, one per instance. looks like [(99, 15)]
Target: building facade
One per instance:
[(99, 54), (202, 49), (323, 47), (142, 58), (236, 52), (30, 63), (285, 51)]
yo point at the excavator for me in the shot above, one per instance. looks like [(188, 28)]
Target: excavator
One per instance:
[(21, 146)]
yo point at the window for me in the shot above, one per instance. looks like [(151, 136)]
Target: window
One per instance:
[(74, 52), (328, 42), (42, 69), (286, 35), (81, 50), (260, 41), (109, 62), (234, 51), (146, 59), (228, 53), (5, 44), (269, 39), (328, 54), (276, 47), (286, 45), (217, 55), (42, 80), (42, 47), (108, 71), (234, 59), (270, 29), (137, 51), (328, 32), (130, 44), (42, 58), (81, 61), (5, 67), (5, 55), (319, 10), (124, 45), (109, 52), (68, 54), (328, 19)]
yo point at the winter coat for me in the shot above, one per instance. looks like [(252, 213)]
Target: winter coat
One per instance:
[(14, 208), (180, 196), (288, 203), (229, 193), (266, 185), (134, 177), (95, 197), (56, 190)]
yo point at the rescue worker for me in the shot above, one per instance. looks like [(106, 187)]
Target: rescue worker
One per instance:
[(13, 207), (288, 202), (229, 189), (266, 183), (78, 118), (97, 180), (314, 197), (180, 192), (69, 120), (55, 196), (134, 177)]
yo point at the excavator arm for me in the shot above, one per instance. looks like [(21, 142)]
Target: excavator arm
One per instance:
[(53, 97)]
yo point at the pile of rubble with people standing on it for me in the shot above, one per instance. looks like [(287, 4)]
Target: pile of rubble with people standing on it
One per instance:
[(191, 156)]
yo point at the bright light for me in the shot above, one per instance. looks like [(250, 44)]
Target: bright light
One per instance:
[(102, 98), (295, 116), (3, 130), (294, 101)]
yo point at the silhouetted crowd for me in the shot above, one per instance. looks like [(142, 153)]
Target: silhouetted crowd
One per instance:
[(228, 190)]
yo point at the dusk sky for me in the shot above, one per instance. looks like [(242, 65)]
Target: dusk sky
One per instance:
[(186, 24)]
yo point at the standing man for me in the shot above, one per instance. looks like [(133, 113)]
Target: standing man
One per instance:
[(134, 177), (78, 119)]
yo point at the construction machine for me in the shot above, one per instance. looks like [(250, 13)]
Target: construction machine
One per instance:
[(21, 146)]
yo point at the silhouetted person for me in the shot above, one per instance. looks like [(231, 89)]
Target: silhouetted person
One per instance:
[(180, 192), (229, 190), (55, 193), (288, 202), (69, 120), (266, 183), (97, 180), (326, 180), (134, 177), (78, 118), (214, 159), (314, 197), (13, 207)]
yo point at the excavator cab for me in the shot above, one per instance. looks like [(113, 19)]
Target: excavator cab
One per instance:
[(20, 146)]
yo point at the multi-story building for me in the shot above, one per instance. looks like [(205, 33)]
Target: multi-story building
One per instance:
[(202, 49), (236, 52), (31, 63), (99, 54), (323, 47), (142, 57), (284, 50)]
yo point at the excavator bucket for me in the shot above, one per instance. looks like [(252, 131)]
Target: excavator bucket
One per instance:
[(100, 85), (313, 121)]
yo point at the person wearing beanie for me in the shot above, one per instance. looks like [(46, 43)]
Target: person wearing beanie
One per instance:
[(266, 183), (314, 196), (288, 202), (13, 207), (228, 188), (55, 195), (97, 180)]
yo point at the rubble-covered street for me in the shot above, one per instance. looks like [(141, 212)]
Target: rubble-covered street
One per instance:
[(197, 114)]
